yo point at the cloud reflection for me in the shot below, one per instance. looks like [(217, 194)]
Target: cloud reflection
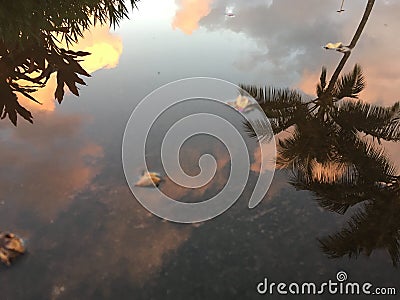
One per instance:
[(105, 48), (189, 14), (48, 164), (289, 35)]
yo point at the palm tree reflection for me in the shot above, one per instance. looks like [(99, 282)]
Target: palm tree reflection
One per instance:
[(334, 150)]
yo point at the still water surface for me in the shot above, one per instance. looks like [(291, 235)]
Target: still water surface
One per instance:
[(63, 188)]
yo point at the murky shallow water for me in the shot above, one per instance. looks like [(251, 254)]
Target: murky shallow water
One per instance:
[(63, 188)]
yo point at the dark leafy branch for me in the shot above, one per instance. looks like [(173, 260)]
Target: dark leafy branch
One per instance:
[(30, 48), (374, 226), (349, 85)]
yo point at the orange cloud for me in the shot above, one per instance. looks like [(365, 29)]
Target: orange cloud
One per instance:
[(267, 156), (308, 82), (190, 13), (132, 241), (188, 163), (256, 165), (105, 48), (50, 164)]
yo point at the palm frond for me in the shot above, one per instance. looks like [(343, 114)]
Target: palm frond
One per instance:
[(322, 83), (289, 150), (374, 226), (335, 196), (343, 243), (340, 169), (260, 129), (370, 160), (311, 139), (285, 118), (349, 85), (283, 107), (270, 98), (377, 121)]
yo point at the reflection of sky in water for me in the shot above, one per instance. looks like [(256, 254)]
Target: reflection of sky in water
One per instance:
[(62, 185)]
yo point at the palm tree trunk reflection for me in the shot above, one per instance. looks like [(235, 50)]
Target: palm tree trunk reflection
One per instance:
[(335, 152)]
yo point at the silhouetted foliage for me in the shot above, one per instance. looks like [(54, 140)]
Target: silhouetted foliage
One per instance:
[(30, 48), (375, 226), (329, 154), (342, 169)]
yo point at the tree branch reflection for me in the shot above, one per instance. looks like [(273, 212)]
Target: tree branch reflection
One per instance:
[(31, 49)]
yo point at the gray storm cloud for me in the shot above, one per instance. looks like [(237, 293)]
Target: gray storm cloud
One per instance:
[(289, 35)]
